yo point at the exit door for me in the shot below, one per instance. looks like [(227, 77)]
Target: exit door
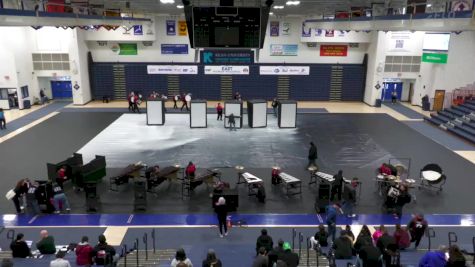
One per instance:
[(61, 89), (388, 89)]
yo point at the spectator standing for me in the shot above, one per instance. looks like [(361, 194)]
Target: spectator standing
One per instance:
[(84, 252), (19, 247), (417, 227), (60, 261), (46, 244), (221, 210), (264, 240), (211, 260), (219, 110), (180, 258)]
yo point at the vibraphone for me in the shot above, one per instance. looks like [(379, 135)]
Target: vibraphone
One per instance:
[(206, 176), (154, 179), (328, 178), (291, 183)]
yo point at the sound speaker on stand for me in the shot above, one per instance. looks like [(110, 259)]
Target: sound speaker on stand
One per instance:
[(140, 192)]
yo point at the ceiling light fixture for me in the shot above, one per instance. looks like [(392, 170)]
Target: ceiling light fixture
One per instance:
[(292, 3), (271, 13), (167, 1), (180, 6), (278, 7), (429, 5)]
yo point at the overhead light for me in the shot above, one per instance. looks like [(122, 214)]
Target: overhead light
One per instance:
[(180, 6), (292, 3), (271, 13), (429, 5), (278, 7), (167, 1)]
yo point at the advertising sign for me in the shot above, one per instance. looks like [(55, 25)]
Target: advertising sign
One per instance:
[(227, 70), (171, 27), (227, 57), (172, 69), (435, 58), (174, 49), (283, 49), (182, 30), (333, 50), (284, 70)]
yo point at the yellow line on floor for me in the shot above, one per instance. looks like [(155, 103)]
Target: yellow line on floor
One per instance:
[(26, 127), (115, 234)]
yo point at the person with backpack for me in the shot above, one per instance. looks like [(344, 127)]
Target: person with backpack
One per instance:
[(83, 252), (211, 260), (104, 254)]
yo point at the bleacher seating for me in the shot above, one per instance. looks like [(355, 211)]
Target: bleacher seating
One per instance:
[(459, 120)]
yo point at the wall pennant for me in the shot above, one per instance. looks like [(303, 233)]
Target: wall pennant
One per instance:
[(65, 27), (36, 27), (97, 27), (72, 27)]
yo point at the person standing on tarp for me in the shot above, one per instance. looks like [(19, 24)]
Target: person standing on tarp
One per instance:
[(312, 155), (175, 99), (232, 122), (219, 109)]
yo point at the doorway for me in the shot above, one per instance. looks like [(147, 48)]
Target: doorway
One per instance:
[(61, 89), (388, 88)]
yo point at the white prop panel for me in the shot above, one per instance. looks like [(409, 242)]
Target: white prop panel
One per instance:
[(198, 115), (234, 108), (259, 115), (155, 112), (288, 115)]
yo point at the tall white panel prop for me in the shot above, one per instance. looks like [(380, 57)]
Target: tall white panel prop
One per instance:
[(198, 114), (155, 112), (288, 114), (234, 107), (257, 113)]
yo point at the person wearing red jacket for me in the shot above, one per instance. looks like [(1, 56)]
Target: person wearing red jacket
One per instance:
[(62, 176), (402, 237), (83, 252), (190, 170), (417, 227), (219, 109)]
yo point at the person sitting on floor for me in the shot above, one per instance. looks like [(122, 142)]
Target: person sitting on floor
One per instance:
[(343, 246), (211, 260), (180, 258), (320, 238), (264, 240), (83, 252), (7, 263), (19, 247), (103, 253), (46, 244), (350, 233), (378, 233), (60, 261)]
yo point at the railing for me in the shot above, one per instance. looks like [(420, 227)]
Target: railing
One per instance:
[(294, 234), (124, 254), (452, 238), (11, 234), (308, 252), (300, 243), (473, 245), (137, 251), (145, 241), (430, 233), (153, 240)]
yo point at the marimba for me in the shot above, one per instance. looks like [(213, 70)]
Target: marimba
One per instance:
[(251, 181), (291, 183)]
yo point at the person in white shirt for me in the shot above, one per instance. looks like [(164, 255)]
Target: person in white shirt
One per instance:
[(59, 261), (187, 100), (180, 257)]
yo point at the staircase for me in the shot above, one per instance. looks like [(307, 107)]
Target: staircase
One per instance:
[(312, 260), (173, 84), (283, 87), (159, 259), (226, 87), (336, 83), (120, 91)]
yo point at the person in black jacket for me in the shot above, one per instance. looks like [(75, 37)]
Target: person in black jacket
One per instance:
[(337, 185), (20, 189), (388, 247), (275, 253), (349, 197), (320, 238), (364, 238), (211, 260), (19, 247), (312, 155), (456, 257), (368, 255), (221, 210), (343, 246), (103, 253), (289, 257), (261, 259), (232, 122), (264, 240)]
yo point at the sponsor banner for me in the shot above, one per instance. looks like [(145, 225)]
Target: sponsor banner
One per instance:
[(128, 49), (274, 28), (227, 70), (224, 57), (333, 50), (182, 30), (462, 5), (284, 70), (172, 69), (435, 58), (306, 31), (171, 27), (283, 49), (174, 49), (285, 28), (329, 33)]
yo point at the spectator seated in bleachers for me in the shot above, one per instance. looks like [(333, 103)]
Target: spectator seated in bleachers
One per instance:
[(350, 233), (264, 240), (7, 263), (320, 238), (343, 246), (363, 238), (456, 257), (46, 244), (103, 253), (19, 247), (378, 233), (276, 252), (181, 259), (368, 255), (388, 246), (60, 261), (84, 252), (261, 259), (289, 257), (401, 235), (434, 258), (211, 260)]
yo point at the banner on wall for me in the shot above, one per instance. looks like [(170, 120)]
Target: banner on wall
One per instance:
[(318, 32), (401, 41), (285, 28), (174, 49), (462, 5), (284, 70), (274, 28), (284, 49), (172, 69), (138, 30), (333, 50), (128, 49), (227, 56), (171, 27), (437, 58), (306, 31), (227, 70), (329, 33), (182, 30)]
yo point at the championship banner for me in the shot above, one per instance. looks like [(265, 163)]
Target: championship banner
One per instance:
[(462, 5), (182, 30), (284, 70), (171, 27), (284, 49), (274, 28), (333, 50), (174, 49), (285, 28), (172, 69), (306, 31), (227, 70), (329, 33)]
